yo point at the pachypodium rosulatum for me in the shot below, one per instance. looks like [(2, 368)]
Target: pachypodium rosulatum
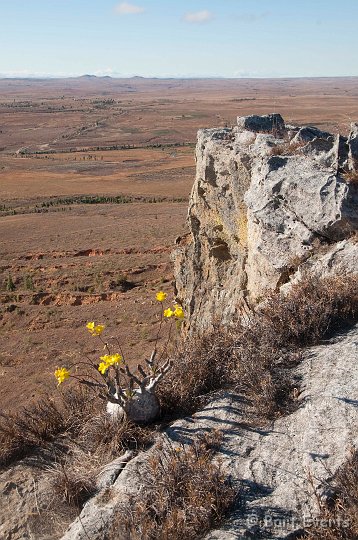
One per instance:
[(127, 393)]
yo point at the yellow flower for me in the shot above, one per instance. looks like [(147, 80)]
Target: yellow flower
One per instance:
[(95, 330), (161, 296), (102, 368), (168, 313), (111, 359), (61, 375), (98, 329), (116, 359), (178, 312)]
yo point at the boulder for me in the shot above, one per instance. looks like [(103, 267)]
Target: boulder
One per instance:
[(269, 123)]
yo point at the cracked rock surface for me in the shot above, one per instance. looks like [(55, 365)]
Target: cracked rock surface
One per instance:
[(266, 198)]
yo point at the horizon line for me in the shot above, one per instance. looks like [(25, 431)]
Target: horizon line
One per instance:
[(4, 76)]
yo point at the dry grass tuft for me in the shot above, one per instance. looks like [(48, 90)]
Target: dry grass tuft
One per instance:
[(287, 148), (37, 426), (73, 478), (110, 437), (200, 367), (100, 440), (266, 351), (339, 514), (352, 176), (257, 359), (185, 493)]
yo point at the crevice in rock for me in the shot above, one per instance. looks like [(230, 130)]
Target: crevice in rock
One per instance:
[(210, 174), (220, 250)]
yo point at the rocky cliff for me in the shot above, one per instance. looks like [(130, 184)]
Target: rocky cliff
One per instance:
[(269, 202)]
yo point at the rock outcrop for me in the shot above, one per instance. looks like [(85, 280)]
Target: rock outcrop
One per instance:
[(267, 197)]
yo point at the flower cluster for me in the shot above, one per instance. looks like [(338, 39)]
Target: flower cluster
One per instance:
[(177, 312), (115, 360), (61, 375), (109, 360), (95, 329)]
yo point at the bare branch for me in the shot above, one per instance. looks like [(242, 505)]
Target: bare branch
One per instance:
[(151, 360), (117, 401), (145, 381), (142, 372), (132, 376), (162, 371)]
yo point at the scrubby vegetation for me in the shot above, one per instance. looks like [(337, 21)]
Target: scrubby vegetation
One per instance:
[(288, 148), (36, 428), (184, 494), (352, 176), (97, 443), (73, 437), (338, 519), (256, 357)]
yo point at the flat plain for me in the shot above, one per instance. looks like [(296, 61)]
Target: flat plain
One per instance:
[(95, 175)]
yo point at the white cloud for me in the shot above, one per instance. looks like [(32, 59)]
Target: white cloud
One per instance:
[(124, 8), (252, 17), (198, 16)]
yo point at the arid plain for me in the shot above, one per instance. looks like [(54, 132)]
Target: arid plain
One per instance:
[(95, 175)]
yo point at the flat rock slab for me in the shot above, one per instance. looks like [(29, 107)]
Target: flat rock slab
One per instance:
[(280, 469)]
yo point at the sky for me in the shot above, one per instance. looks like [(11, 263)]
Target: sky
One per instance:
[(185, 38)]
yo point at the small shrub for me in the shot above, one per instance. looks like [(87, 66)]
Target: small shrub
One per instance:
[(185, 494), (10, 285), (28, 283), (338, 519), (99, 441), (111, 437), (352, 176), (73, 480), (122, 283), (201, 365), (35, 427)]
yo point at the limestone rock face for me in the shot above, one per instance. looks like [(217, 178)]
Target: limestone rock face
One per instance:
[(265, 199)]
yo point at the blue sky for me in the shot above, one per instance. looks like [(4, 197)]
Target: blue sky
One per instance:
[(226, 38)]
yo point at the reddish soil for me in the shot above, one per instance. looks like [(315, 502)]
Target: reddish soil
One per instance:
[(61, 145)]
